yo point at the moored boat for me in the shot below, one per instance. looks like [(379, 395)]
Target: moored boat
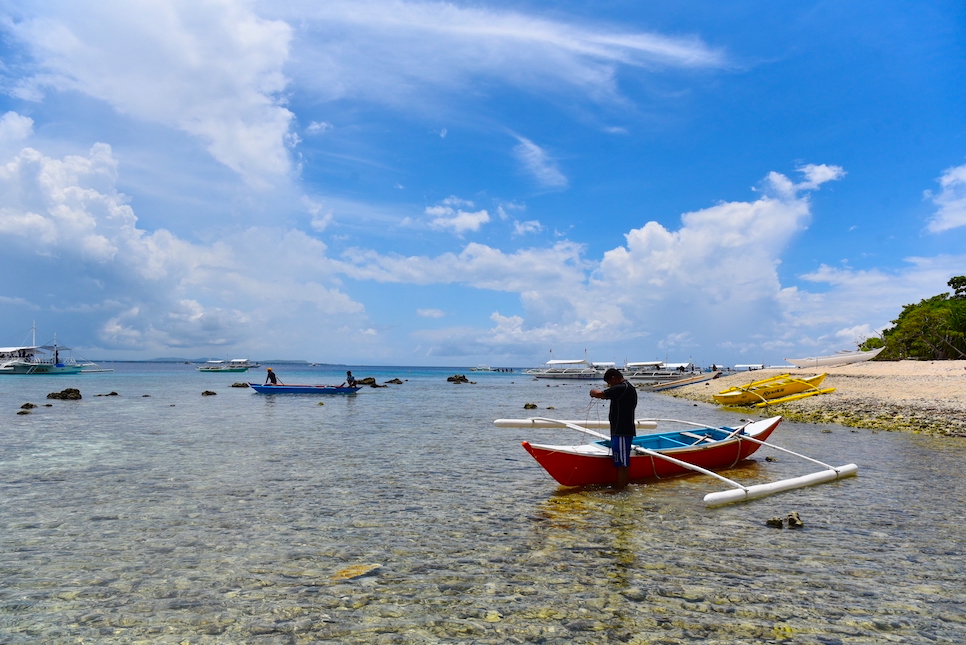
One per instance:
[(711, 448), (46, 360), (656, 371), (772, 390), (839, 358), (701, 448), (223, 366), (303, 389), (572, 369)]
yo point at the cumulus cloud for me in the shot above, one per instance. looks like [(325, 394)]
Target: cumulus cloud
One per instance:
[(535, 161), (714, 278), (75, 243), (318, 127), (951, 200), (430, 313), (15, 127), (211, 69)]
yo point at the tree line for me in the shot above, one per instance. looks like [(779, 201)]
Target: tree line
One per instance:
[(934, 329)]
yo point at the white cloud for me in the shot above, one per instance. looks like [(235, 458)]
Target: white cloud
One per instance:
[(531, 226), (951, 201), (318, 127), (715, 279), (15, 127), (450, 215), (535, 160), (389, 50), (430, 313), (211, 69), (75, 243)]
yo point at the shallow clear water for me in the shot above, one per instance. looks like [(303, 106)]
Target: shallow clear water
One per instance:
[(175, 518)]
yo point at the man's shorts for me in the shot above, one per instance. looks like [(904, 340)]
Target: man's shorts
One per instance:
[(621, 448)]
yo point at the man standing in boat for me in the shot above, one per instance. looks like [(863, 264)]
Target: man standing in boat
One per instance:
[(270, 376), (623, 428)]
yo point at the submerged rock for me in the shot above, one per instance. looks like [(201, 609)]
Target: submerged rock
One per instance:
[(208, 393), (28, 406), (239, 384), (777, 522), (394, 381), (457, 378), (529, 406), (69, 394)]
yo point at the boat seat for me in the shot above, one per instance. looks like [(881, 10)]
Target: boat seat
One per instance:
[(699, 437)]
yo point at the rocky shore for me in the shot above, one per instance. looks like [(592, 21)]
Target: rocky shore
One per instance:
[(913, 396)]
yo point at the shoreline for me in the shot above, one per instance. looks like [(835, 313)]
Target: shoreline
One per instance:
[(923, 397)]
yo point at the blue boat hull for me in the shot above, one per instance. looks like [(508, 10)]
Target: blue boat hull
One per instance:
[(303, 389)]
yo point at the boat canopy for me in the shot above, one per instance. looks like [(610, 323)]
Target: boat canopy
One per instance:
[(11, 350), (675, 366), (645, 364), (559, 362), (754, 366)]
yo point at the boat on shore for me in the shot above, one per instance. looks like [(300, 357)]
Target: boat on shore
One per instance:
[(839, 358), (700, 377), (773, 390), (699, 448), (268, 388)]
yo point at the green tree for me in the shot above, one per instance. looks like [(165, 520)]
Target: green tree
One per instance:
[(933, 329)]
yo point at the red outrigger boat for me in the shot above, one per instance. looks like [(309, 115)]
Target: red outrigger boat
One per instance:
[(665, 454)]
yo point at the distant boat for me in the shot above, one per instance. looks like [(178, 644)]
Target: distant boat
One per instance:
[(482, 368), (839, 358), (575, 369), (224, 366), (656, 371), (48, 360), (303, 389)]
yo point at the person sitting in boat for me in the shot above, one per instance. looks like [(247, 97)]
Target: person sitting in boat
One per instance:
[(270, 376), (350, 380), (623, 428)]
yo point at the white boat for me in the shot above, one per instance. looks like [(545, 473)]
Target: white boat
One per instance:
[(839, 358), (48, 359), (243, 362), (574, 369), (656, 371), (223, 366), (482, 368)]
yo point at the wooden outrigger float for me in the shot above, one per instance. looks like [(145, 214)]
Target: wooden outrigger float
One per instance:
[(701, 449), (773, 390)]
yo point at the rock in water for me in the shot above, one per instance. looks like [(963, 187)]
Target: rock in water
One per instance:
[(208, 393), (794, 521), (355, 571), (70, 394), (777, 522)]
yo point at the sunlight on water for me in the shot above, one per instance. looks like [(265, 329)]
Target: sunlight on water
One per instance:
[(402, 515)]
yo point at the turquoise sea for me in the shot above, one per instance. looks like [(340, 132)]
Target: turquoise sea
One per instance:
[(163, 516)]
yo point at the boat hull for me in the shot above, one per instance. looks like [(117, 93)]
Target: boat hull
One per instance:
[(767, 389), (303, 389), (592, 464), (46, 369), (845, 358)]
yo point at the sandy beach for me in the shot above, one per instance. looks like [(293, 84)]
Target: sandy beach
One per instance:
[(912, 396)]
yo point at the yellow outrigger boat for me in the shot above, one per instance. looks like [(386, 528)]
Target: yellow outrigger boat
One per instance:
[(770, 391)]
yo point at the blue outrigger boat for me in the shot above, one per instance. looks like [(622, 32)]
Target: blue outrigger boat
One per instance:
[(303, 389)]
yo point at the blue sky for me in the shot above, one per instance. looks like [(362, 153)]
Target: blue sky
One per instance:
[(458, 183)]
